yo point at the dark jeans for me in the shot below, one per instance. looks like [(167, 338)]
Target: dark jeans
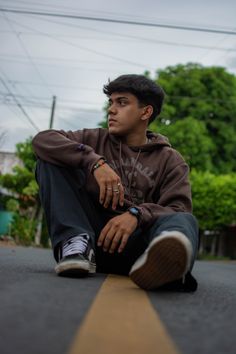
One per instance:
[(69, 210)]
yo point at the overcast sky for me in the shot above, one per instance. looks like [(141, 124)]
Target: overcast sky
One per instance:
[(73, 58)]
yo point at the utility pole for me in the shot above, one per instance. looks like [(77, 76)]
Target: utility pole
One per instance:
[(52, 111)]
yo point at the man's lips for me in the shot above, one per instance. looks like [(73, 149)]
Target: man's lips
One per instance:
[(111, 121)]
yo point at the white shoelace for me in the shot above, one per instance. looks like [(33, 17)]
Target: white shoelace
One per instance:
[(77, 244)]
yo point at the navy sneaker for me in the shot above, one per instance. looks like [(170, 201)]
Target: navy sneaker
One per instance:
[(76, 257), (166, 259)]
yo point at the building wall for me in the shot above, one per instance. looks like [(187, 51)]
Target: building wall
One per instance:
[(7, 161)]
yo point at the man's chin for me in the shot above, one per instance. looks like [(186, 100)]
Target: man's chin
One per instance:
[(115, 131)]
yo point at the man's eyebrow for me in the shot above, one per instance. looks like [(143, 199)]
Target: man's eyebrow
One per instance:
[(119, 98)]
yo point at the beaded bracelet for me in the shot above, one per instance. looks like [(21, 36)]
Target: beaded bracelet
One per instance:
[(98, 164)]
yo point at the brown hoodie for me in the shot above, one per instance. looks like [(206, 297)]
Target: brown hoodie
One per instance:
[(154, 175)]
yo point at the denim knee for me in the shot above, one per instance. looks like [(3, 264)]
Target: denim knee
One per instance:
[(181, 221)]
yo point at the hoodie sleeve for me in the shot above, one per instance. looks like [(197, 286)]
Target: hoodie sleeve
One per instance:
[(174, 196), (66, 148)]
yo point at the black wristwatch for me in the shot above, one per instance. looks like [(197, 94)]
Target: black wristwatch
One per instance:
[(134, 211)]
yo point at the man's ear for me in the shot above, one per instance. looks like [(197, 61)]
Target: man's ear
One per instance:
[(147, 112)]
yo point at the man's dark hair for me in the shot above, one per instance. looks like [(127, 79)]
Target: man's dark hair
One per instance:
[(146, 91)]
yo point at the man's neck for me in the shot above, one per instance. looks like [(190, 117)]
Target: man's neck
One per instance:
[(135, 140)]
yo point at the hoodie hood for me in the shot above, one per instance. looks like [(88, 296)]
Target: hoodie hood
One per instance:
[(156, 140)]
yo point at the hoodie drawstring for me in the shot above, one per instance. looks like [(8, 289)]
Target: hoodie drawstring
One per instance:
[(129, 183)]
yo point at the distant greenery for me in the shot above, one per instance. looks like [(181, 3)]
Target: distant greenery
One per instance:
[(214, 199), (24, 200), (207, 95), (190, 137)]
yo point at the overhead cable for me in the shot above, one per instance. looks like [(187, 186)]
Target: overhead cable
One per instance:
[(120, 21), (19, 105)]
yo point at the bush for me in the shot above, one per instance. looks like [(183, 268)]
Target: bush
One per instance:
[(23, 229), (22, 226), (214, 199)]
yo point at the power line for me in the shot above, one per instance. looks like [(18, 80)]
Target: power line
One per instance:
[(62, 105), (25, 50), (126, 36), (63, 60), (18, 95), (60, 7), (120, 21), (11, 108), (151, 40), (145, 39), (41, 99), (74, 67), (83, 48), (19, 105), (26, 104), (40, 103), (28, 92), (54, 85)]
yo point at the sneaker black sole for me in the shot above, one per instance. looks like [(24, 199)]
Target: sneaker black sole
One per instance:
[(75, 269), (73, 273), (165, 260)]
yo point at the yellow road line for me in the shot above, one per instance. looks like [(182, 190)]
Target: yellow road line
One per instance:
[(122, 320)]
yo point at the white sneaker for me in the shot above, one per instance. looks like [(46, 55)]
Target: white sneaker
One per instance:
[(166, 259)]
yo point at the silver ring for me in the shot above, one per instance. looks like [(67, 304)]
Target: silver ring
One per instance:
[(116, 190)]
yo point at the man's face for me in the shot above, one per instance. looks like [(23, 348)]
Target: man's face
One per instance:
[(124, 113)]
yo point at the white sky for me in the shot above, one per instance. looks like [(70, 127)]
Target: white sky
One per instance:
[(73, 59)]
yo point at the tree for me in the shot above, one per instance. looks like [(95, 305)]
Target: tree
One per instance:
[(207, 94), (190, 137), (24, 201)]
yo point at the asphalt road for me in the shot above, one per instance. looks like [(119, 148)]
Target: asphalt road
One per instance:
[(41, 312)]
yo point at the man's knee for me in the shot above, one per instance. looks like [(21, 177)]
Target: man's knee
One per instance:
[(186, 217), (186, 223), (45, 170), (180, 221), (177, 218)]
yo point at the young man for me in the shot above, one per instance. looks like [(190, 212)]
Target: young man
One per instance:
[(118, 200)]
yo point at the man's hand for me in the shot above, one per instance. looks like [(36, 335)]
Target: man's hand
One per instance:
[(111, 189), (117, 231)]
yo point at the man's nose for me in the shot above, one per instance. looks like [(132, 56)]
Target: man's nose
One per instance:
[(111, 109)]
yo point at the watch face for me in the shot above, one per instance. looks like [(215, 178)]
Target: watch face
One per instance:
[(134, 211)]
